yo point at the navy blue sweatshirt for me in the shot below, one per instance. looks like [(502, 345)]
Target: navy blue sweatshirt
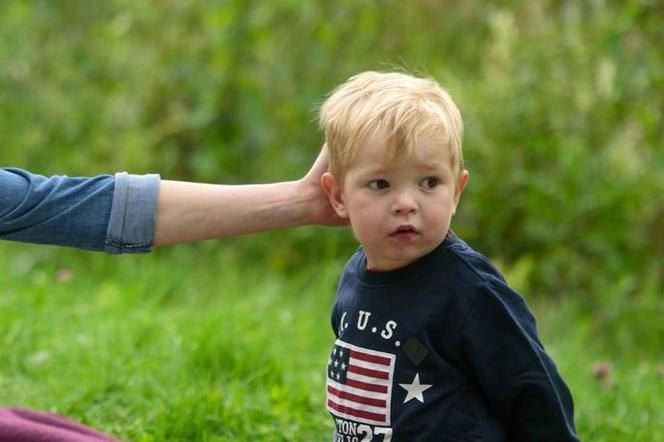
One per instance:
[(440, 350)]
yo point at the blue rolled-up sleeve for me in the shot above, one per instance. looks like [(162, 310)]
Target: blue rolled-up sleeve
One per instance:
[(133, 213), (116, 214)]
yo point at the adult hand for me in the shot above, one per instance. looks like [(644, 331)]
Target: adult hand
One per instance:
[(319, 208)]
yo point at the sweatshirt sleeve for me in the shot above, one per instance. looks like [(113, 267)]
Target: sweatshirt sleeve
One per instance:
[(518, 379), (109, 213)]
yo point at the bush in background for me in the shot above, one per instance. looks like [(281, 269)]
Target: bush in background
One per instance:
[(562, 102)]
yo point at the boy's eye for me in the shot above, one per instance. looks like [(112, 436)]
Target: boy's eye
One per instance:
[(430, 182), (379, 184)]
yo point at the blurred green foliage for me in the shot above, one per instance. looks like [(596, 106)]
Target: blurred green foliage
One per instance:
[(562, 100)]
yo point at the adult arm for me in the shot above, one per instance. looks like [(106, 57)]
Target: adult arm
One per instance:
[(130, 213), (193, 211)]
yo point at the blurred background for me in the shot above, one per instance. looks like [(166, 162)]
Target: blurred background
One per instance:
[(563, 104)]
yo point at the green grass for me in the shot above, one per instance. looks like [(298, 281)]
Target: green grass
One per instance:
[(196, 344)]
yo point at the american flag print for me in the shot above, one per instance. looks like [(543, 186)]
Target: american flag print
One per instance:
[(359, 383)]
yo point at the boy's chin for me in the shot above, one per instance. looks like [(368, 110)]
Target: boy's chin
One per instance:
[(393, 263)]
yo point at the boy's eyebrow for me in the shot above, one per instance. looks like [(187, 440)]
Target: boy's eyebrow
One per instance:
[(374, 170), (438, 167), (365, 174), (382, 170)]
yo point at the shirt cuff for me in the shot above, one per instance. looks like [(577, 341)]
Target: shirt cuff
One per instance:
[(133, 213)]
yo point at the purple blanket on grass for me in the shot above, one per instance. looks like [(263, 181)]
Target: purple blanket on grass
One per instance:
[(21, 425)]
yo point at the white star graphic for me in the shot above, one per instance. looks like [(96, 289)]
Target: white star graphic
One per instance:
[(415, 389)]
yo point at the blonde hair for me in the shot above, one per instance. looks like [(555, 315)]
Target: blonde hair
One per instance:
[(401, 105)]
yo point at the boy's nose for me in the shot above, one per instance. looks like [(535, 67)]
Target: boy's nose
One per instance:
[(403, 204)]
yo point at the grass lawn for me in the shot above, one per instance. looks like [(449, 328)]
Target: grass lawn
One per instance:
[(190, 344)]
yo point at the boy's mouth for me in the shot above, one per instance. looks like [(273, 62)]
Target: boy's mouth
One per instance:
[(404, 232)]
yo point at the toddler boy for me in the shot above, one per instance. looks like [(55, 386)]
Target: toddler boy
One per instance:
[(432, 344)]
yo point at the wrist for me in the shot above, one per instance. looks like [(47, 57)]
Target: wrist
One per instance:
[(304, 202)]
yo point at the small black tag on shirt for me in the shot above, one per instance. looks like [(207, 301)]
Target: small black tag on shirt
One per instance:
[(415, 351)]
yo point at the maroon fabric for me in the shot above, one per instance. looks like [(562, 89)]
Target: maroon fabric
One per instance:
[(21, 425)]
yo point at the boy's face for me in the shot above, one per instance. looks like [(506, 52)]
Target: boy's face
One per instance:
[(400, 209)]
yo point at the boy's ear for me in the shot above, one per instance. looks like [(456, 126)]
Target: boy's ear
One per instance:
[(461, 183), (334, 193)]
